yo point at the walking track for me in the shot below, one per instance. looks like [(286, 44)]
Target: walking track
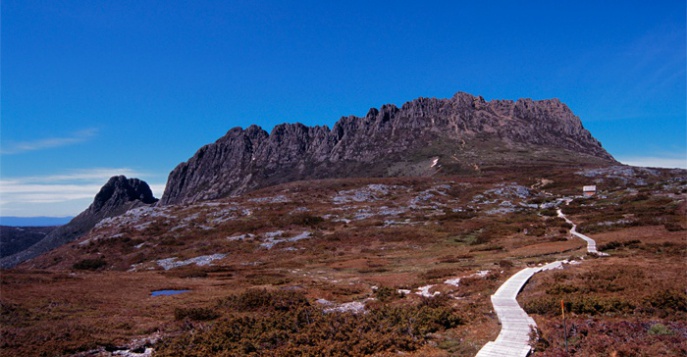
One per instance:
[(591, 244), (514, 339)]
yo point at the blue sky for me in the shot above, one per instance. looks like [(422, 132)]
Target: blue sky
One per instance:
[(92, 89)]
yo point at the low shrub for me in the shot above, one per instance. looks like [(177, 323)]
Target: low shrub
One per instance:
[(632, 243), (537, 231), (90, 264), (610, 246), (171, 241), (303, 219), (567, 226), (386, 294), (660, 329), (618, 337), (558, 289), (616, 245), (487, 248), (372, 270), (264, 300), (549, 212), (437, 273), (505, 264), (455, 258), (580, 304), (304, 330), (668, 301), (673, 227), (557, 238), (666, 248), (195, 314), (192, 271), (267, 279)]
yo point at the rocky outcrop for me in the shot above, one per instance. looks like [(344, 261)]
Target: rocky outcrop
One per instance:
[(117, 196), (462, 131)]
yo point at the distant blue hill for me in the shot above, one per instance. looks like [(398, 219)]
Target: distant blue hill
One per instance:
[(33, 221)]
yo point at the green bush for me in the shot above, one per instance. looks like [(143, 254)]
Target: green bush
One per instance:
[(659, 329)]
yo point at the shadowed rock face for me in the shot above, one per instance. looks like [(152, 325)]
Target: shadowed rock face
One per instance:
[(117, 193), (16, 239), (117, 196), (463, 132)]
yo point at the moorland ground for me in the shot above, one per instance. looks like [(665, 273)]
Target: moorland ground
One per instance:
[(291, 268)]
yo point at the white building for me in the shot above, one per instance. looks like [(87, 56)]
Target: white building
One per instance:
[(589, 191)]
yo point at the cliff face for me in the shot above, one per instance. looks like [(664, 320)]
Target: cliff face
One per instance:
[(117, 196), (461, 132)]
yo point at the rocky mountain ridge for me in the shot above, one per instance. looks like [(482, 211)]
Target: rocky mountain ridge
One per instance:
[(117, 196), (456, 134)]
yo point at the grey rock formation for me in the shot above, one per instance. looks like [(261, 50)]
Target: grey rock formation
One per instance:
[(117, 196), (464, 133)]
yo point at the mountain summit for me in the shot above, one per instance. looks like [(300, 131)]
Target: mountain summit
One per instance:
[(117, 196), (426, 136)]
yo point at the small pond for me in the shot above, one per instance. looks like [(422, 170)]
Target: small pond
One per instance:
[(168, 292)]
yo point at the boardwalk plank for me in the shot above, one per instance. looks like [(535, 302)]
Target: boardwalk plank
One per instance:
[(513, 340)]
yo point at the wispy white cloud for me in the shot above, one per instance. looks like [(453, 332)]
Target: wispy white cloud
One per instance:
[(654, 161), (63, 194), (96, 174), (14, 191), (642, 78), (13, 148)]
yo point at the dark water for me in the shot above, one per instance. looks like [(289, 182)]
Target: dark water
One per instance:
[(168, 292)]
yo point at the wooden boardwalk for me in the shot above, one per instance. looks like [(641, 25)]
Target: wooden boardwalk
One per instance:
[(514, 338), (591, 244)]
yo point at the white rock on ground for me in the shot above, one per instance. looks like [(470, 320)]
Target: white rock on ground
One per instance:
[(171, 263), (355, 307), (424, 291), (271, 238), (148, 352)]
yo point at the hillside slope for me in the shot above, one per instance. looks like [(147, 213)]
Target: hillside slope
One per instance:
[(16, 239)]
